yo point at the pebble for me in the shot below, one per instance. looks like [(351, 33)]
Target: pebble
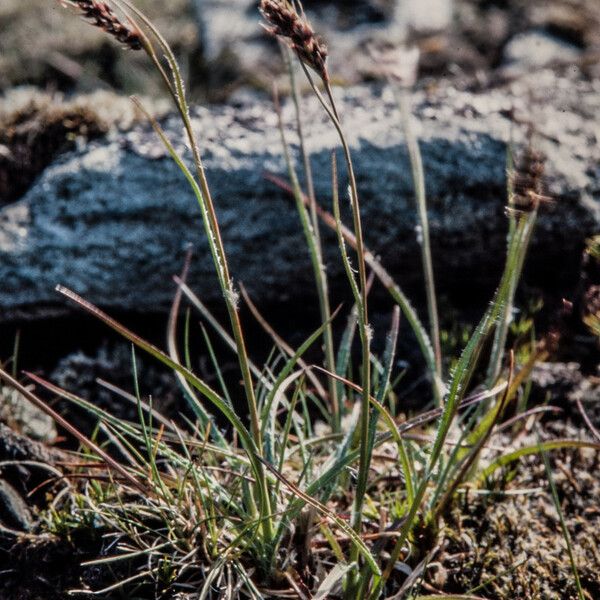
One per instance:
[(14, 512), (426, 16), (537, 49)]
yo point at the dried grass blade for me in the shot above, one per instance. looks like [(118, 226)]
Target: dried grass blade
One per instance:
[(80, 437)]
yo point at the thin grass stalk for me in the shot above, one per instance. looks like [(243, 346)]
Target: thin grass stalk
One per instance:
[(215, 363), (519, 378), (310, 500), (383, 390), (416, 162), (468, 360), (280, 342), (199, 410), (497, 351), (286, 430), (133, 400), (215, 241), (360, 296), (229, 341), (473, 454), (147, 433), (313, 239), (524, 188), (510, 457), (278, 391), (363, 313), (345, 350), (335, 201), (395, 433), (314, 246), (228, 411), (332, 470), (15, 354), (242, 356)]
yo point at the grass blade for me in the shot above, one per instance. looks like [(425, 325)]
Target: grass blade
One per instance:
[(563, 525)]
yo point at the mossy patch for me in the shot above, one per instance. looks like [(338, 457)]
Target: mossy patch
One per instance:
[(35, 127), (508, 543)]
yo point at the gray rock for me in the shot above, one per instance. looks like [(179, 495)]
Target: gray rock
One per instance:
[(15, 447), (112, 220)]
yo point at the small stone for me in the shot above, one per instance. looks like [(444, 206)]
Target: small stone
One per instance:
[(537, 49), (21, 414), (14, 512), (426, 16)]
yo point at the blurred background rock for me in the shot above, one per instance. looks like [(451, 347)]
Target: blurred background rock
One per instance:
[(223, 49)]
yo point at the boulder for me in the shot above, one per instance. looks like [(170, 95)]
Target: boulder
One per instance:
[(112, 219)]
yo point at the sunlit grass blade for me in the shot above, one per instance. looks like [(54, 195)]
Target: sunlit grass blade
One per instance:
[(310, 226), (212, 321), (344, 354), (334, 577), (510, 457), (281, 343), (462, 464), (423, 237), (270, 406), (201, 189), (563, 525), (216, 366), (246, 438), (196, 405), (461, 378)]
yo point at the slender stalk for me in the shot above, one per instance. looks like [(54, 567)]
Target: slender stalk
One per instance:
[(363, 314), (424, 240), (176, 89), (525, 193), (310, 226), (563, 524), (313, 238)]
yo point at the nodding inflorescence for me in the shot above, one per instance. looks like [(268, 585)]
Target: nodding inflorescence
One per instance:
[(101, 15), (284, 21)]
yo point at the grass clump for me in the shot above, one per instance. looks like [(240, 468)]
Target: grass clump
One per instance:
[(348, 504)]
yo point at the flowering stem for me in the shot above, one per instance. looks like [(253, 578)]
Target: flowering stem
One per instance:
[(363, 315), (313, 237)]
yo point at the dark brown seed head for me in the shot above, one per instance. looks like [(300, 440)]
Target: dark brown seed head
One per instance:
[(284, 21), (101, 15), (526, 182)]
